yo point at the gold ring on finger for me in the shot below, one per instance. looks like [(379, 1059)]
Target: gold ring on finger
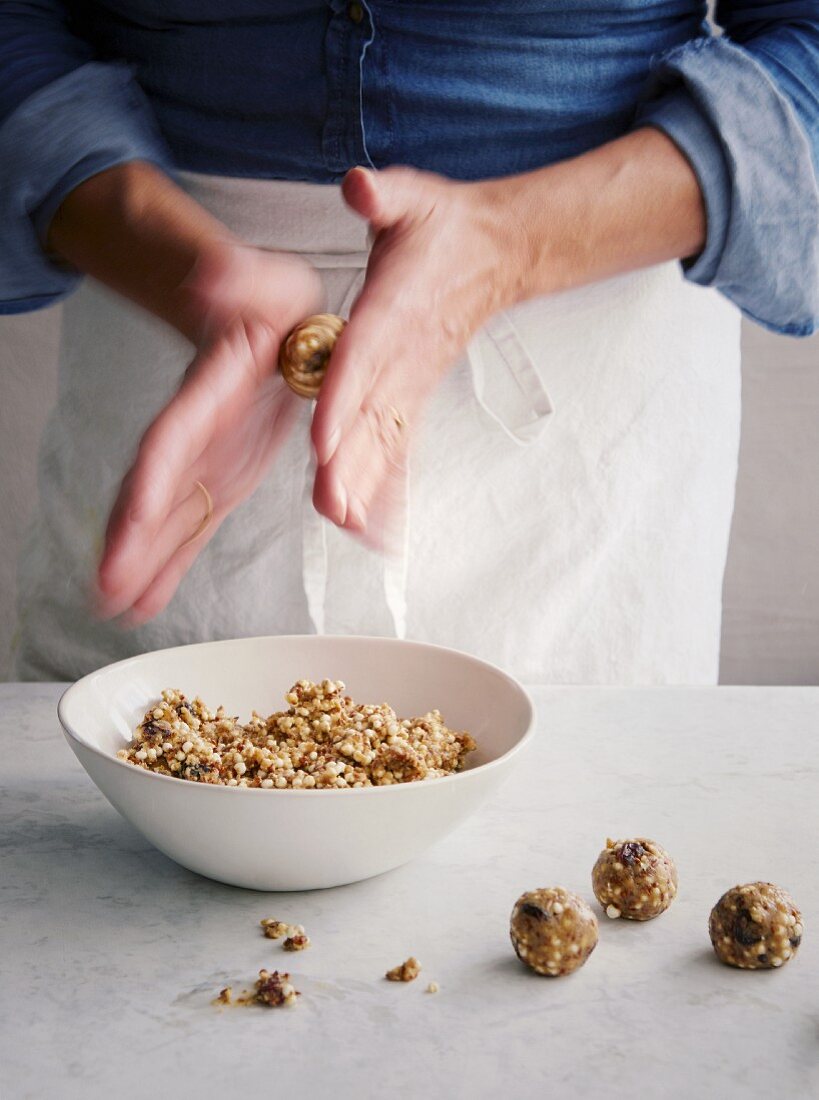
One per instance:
[(204, 523), (398, 419)]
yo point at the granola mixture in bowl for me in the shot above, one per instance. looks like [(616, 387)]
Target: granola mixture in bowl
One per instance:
[(301, 837), (323, 740)]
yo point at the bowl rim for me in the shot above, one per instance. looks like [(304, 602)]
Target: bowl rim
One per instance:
[(73, 737)]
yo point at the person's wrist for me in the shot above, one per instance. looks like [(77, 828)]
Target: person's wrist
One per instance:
[(135, 230), (204, 297), (628, 204), (529, 257)]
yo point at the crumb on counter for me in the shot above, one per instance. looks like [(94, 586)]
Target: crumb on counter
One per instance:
[(433, 987), (274, 929), (270, 989), (297, 940), (408, 971), (323, 740), (274, 989)]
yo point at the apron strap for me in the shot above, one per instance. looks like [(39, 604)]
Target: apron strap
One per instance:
[(314, 558), (396, 566), (506, 381)]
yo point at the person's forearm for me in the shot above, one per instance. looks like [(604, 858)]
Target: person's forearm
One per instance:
[(132, 228), (629, 204)]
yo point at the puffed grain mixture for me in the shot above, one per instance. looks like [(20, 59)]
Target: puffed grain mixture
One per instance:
[(323, 740)]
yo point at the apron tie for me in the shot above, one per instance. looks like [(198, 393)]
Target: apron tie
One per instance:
[(508, 388), (315, 558), (506, 381)]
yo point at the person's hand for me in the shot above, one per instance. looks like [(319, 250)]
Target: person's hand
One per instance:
[(445, 257), (222, 427)]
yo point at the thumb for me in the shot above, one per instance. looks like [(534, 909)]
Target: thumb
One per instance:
[(385, 197)]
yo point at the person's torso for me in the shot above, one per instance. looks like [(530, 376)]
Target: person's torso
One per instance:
[(305, 89), (570, 490)]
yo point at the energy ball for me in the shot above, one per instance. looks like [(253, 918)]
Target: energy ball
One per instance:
[(553, 931), (755, 927), (635, 879)]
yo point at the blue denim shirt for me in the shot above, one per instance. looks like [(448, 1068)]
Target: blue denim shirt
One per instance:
[(304, 89)]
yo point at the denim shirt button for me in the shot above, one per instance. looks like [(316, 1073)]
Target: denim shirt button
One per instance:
[(355, 11)]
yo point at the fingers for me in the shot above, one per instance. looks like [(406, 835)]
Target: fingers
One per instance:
[(391, 355), (154, 597), (138, 572), (223, 425), (368, 469), (386, 515), (159, 475), (162, 589), (244, 460), (389, 311), (357, 360), (217, 386), (367, 343)]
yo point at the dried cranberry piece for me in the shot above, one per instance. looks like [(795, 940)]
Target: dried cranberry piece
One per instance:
[(631, 852), (746, 930)]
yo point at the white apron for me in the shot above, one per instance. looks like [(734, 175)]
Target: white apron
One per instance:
[(570, 491)]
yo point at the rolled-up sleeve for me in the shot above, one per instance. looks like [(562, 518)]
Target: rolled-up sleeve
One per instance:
[(744, 109), (64, 117)]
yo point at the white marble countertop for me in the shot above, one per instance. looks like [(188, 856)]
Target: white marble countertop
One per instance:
[(110, 953)]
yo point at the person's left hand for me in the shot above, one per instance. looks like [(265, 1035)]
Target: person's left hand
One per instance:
[(445, 257), (222, 428)]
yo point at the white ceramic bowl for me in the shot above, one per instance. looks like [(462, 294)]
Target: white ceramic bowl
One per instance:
[(305, 839)]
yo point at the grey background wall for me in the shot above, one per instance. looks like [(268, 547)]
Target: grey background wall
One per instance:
[(771, 595), (770, 629)]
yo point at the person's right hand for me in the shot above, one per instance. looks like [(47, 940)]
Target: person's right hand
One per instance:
[(222, 427)]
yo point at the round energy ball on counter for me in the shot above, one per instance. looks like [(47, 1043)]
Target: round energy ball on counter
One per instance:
[(755, 927), (553, 931), (635, 879)]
